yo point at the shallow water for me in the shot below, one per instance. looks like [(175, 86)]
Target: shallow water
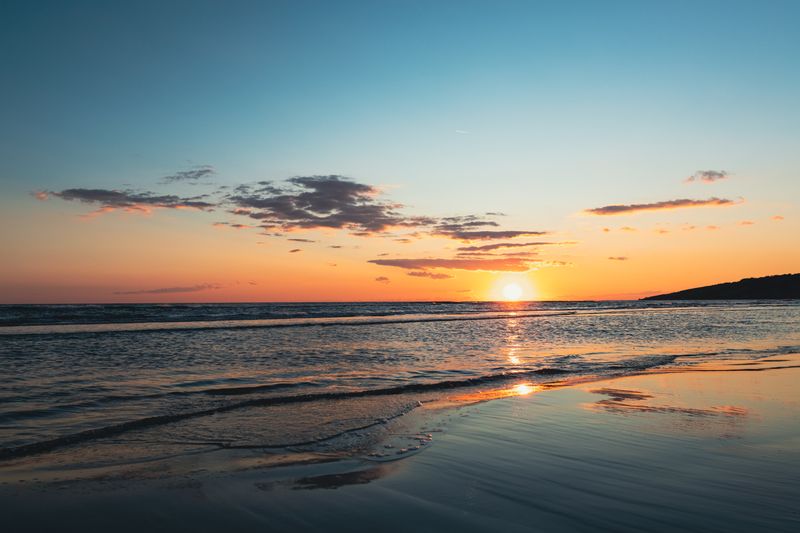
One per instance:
[(288, 374)]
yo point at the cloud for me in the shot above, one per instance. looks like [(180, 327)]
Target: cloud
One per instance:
[(712, 228), (128, 200), (490, 265), (618, 258), (40, 195), (708, 176), (315, 202), (193, 174), (172, 290), (301, 240), (431, 275), (472, 227), (499, 245), (299, 203), (746, 223), (295, 251), (489, 235), (624, 209), (231, 225), (777, 218), (383, 279)]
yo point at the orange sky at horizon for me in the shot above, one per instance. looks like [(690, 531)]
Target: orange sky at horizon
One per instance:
[(180, 256)]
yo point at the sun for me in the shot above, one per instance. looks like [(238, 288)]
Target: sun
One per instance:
[(512, 287), (512, 292)]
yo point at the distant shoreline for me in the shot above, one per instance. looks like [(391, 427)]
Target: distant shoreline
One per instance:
[(779, 287)]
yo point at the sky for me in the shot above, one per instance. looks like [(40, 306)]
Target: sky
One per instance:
[(169, 151)]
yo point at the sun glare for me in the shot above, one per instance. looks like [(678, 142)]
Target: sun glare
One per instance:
[(523, 389), (512, 287), (512, 292)]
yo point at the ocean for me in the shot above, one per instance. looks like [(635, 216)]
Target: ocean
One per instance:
[(166, 378)]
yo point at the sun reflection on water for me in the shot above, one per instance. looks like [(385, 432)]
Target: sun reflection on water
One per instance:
[(520, 389)]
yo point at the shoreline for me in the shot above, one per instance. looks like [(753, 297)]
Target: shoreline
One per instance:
[(639, 444)]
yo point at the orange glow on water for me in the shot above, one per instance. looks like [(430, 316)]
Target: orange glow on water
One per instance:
[(520, 389)]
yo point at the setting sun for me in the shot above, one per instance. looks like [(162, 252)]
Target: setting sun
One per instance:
[(512, 287), (512, 292)]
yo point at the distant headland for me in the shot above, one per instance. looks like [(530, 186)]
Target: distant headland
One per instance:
[(780, 287)]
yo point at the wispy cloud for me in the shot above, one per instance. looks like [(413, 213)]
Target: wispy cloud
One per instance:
[(111, 200), (232, 225), (383, 279), (193, 174), (626, 209), (430, 275), (708, 176), (777, 218), (501, 245), (618, 258), (172, 290), (490, 265), (295, 251), (489, 235)]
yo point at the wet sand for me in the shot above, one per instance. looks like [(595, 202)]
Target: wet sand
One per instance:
[(716, 448)]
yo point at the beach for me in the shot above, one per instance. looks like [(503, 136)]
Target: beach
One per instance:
[(715, 447)]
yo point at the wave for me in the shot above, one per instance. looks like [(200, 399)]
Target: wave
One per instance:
[(269, 323), (602, 369), (63, 314), (147, 422)]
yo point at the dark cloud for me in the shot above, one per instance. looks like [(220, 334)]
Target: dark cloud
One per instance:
[(382, 279), (624, 209), (295, 251), (499, 245), (313, 202), (430, 275), (490, 235), (193, 174), (468, 228), (490, 265), (110, 200), (171, 290), (301, 240), (300, 203), (708, 176)]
